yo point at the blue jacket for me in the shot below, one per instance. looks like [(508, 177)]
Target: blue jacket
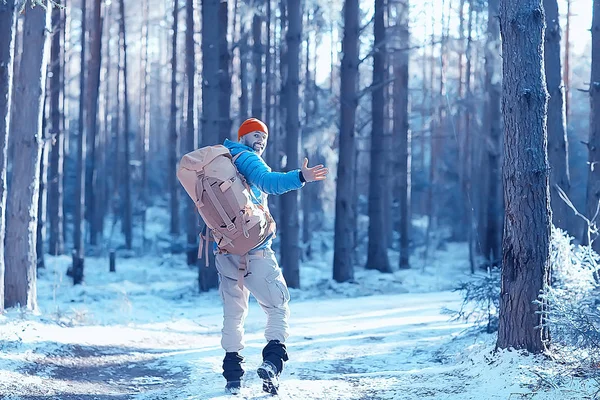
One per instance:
[(259, 176)]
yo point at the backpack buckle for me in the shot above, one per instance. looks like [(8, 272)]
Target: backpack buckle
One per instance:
[(231, 227)]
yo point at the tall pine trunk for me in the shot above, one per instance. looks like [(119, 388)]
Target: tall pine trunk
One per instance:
[(468, 147), (21, 224), (79, 218), (173, 136), (145, 117), (290, 249), (127, 206), (191, 142), (55, 173), (345, 198), (377, 251), (7, 40), (491, 223), (566, 67), (243, 52), (308, 192), (557, 130), (257, 50), (224, 73), (116, 128), (93, 90), (402, 130), (525, 263), (43, 188), (593, 191), (207, 277), (268, 79)]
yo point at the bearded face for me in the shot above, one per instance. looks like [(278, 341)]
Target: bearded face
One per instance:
[(256, 140)]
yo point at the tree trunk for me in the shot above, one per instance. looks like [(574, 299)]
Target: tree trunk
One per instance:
[(434, 142), (257, 50), (461, 32), (55, 173), (224, 74), (42, 191), (173, 137), (93, 89), (345, 198), (567, 69), (66, 47), (207, 277), (117, 123), (127, 219), (145, 118), (21, 224), (7, 40), (268, 67), (108, 156), (307, 193), (191, 142), (18, 49), (593, 190), (402, 130), (277, 133), (419, 164), (491, 224), (273, 151), (525, 264), (467, 156), (377, 252), (290, 250), (243, 50), (557, 130), (79, 218)]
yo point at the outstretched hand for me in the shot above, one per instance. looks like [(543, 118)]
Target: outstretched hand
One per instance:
[(316, 173)]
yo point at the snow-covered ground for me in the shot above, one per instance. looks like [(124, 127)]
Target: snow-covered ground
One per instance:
[(145, 332)]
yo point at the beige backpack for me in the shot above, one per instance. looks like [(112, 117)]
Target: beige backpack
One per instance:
[(223, 199)]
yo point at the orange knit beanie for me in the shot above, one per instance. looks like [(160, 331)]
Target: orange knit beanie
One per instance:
[(252, 125)]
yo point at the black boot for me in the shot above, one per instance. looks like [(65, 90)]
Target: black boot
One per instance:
[(274, 356), (233, 371), (233, 387)]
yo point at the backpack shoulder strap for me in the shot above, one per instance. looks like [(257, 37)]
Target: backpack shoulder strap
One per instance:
[(238, 155)]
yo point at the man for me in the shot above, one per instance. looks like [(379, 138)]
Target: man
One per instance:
[(264, 278)]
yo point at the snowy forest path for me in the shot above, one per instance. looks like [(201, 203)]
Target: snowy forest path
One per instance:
[(375, 347)]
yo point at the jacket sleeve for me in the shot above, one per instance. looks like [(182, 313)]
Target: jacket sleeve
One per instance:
[(258, 173)]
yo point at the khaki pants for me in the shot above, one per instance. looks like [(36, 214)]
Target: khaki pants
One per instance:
[(266, 283)]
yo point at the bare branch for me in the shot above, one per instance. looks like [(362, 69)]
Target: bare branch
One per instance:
[(370, 88)]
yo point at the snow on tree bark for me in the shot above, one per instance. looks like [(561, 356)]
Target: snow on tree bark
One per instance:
[(526, 244), (21, 224)]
